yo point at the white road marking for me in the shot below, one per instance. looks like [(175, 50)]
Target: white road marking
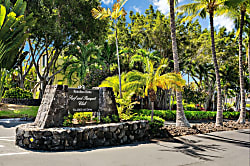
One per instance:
[(1, 146), (10, 154), (7, 137), (7, 140)]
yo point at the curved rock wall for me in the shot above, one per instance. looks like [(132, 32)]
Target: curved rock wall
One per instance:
[(53, 139)]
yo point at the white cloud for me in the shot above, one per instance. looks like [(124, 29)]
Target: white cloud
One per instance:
[(163, 6), (137, 9), (106, 2), (220, 21)]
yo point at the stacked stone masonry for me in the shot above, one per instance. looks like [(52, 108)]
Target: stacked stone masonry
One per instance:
[(57, 139)]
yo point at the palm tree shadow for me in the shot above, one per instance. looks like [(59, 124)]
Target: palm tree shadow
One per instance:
[(226, 140), (244, 131), (191, 148)]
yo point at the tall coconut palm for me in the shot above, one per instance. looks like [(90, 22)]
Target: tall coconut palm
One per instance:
[(201, 8), (181, 119), (242, 89), (241, 6), (118, 11)]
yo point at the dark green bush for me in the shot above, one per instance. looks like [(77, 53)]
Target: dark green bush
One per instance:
[(18, 93), (155, 125), (106, 119)]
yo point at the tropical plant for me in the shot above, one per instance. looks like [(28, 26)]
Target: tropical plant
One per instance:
[(13, 33), (114, 83), (80, 60), (124, 104), (13, 30), (201, 8), (151, 79), (118, 12)]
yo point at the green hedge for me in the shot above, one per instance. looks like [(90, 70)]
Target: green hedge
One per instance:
[(190, 115), (18, 93)]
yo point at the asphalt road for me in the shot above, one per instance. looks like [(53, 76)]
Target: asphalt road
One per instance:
[(230, 148)]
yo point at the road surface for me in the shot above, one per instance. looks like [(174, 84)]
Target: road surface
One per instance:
[(229, 148)]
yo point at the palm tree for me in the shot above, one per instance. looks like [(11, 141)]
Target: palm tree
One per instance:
[(114, 83), (201, 8), (81, 59), (3, 71), (107, 51), (248, 35), (181, 119), (151, 79), (118, 11), (240, 5)]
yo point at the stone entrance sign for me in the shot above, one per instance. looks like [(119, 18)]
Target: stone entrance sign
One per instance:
[(80, 100), (59, 100)]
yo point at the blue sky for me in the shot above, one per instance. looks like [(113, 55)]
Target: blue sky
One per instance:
[(162, 5)]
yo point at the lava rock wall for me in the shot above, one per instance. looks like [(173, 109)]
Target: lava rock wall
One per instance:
[(57, 139)]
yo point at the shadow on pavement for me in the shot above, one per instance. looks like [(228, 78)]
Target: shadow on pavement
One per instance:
[(191, 148), (226, 140), (92, 149), (12, 124), (244, 132)]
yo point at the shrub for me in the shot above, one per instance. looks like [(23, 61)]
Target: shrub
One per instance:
[(155, 125), (190, 115), (106, 119), (18, 93), (68, 120), (115, 118)]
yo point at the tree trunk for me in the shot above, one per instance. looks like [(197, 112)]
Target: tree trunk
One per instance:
[(242, 89), (219, 116), (152, 112), (249, 57), (209, 97), (170, 99), (118, 61), (181, 119)]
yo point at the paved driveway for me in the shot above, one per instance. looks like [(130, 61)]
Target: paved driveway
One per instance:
[(231, 148)]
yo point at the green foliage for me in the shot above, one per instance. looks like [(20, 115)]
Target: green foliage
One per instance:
[(18, 93), (190, 115), (68, 120), (155, 125), (13, 30), (190, 107), (115, 118), (80, 59), (96, 119), (106, 119), (82, 117)]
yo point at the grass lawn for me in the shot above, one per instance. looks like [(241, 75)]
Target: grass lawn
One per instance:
[(25, 111)]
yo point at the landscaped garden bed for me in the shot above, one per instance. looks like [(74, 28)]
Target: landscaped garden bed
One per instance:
[(203, 128), (190, 115)]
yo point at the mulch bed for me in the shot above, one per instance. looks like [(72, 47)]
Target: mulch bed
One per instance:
[(203, 128)]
